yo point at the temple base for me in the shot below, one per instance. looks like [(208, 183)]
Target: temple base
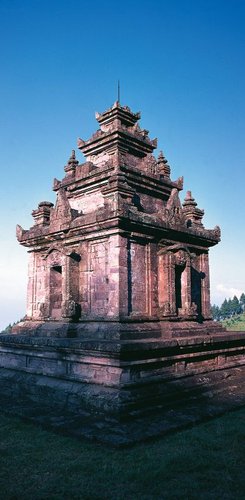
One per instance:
[(121, 391)]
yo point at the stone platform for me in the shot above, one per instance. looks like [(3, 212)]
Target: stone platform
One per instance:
[(120, 329), (121, 391)]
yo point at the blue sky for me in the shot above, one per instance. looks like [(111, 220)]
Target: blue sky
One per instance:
[(180, 62)]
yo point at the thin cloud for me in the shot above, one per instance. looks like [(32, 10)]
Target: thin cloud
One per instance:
[(228, 291)]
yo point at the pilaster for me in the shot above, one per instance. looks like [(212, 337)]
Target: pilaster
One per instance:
[(205, 286)]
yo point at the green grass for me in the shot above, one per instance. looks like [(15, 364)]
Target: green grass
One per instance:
[(237, 323), (206, 462)]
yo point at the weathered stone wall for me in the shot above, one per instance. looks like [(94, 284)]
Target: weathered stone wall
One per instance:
[(99, 277), (148, 203), (117, 276), (138, 271), (99, 281), (88, 201)]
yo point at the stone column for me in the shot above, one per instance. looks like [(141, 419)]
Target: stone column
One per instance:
[(115, 249), (68, 303), (171, 283), (188, 309), (125, 278), (31, 285), (153, 281), (47, 307), (84, 281), (161, 280), (38, 288), (166, 284), (205, 286), (65, 285), (186, 288), (150, 282)]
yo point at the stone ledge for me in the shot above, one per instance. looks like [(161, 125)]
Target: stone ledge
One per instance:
[(117, 364), (120, 344)]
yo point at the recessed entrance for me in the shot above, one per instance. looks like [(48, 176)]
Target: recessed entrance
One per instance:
[(178, 286), (196, 277), (55, 291)]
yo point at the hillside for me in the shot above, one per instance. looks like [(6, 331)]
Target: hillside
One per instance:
[(236, 323)]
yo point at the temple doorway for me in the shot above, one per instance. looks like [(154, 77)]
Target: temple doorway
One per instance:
[(196, 277), (55, 292), (178, 287)]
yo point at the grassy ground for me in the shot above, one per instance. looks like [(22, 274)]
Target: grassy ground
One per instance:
[(206, 462), (237, 323)]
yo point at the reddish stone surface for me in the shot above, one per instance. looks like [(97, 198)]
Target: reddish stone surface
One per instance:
[(118, 244)]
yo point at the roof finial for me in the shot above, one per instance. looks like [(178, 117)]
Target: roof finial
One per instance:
[(191, 211), (72, 162), (118, 91), (163, 166)]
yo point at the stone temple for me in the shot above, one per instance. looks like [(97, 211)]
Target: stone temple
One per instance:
[(118, 248), (118, 319)]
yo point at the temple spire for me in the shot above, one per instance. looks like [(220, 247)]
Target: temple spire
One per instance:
[(163, 166), (118, 91), (191, 211), (72, 163), (119, 133)]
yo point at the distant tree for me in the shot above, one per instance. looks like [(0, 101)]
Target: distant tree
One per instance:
[(228, 308), (242, 301), (225, 309), (235, 306), (215, 311), (7, 329)]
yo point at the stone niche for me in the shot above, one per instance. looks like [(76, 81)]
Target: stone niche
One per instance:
[(118, 319)]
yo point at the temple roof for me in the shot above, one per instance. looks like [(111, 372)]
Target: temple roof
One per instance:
[(119, 131), (121, 113), (121, 183)]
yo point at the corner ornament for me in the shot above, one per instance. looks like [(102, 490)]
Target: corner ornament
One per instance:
[(217, 232), (19, 232)]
